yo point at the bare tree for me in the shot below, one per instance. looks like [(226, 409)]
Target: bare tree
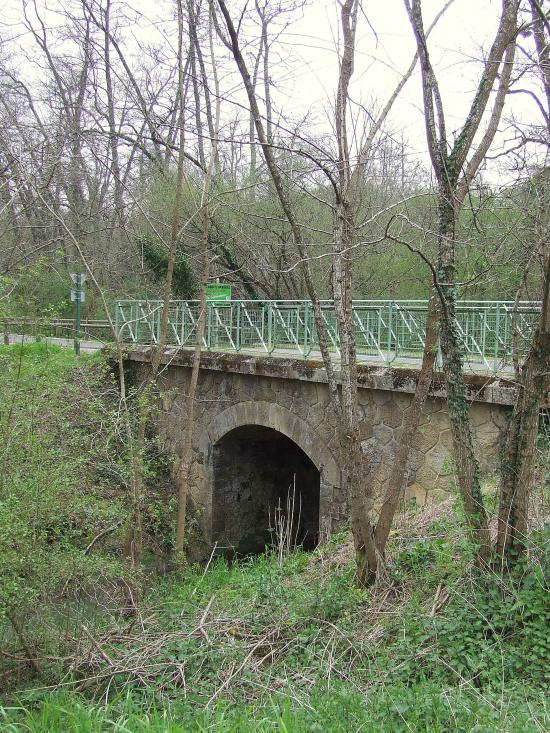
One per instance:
[(113, 137), (534, 378), (453, 176), (184, 467), (345, 181)]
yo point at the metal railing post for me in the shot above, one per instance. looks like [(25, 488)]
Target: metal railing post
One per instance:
[(439, 355), (270, 344), (390, 304), (209, 325), (483, 334), (134, 316), (306, 323), (238, 328), (497, 332), (507, 338)]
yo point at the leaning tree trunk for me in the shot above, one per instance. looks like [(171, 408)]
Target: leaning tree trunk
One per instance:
[(358, 491), (454, 175), (183, 473), (520, 457), (398, 475), (534, 380)]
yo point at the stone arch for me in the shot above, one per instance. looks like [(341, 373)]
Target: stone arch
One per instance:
[(265, 416), (272, 415)]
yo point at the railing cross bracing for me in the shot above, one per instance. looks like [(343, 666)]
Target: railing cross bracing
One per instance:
[(386, 331)]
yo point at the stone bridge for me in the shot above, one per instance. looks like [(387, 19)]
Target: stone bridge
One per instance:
[(265, 429)]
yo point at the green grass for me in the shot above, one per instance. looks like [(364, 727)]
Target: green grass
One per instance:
[(338, 709), (55, 424), (35, 361)]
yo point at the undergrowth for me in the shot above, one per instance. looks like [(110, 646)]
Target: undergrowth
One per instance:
[(256, 645), (263, 647)]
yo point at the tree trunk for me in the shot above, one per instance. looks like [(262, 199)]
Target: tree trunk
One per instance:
[(467, 466), (448, 163), (519, 461), (184, 470), (398, 475), (534, 379), (113, 138)]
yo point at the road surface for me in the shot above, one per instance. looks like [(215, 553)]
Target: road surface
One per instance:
[(89, 347)]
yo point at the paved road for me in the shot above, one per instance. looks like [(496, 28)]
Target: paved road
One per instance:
[(413, 362), (410, 361)]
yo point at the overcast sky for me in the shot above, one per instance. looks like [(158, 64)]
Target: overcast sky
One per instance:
[(385, 46)]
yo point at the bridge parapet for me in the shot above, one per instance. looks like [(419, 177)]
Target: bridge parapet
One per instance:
[(386, 331), (481, 388)]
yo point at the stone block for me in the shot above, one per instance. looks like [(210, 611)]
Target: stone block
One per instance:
[(265, 393), (284, 398), (381, 397), (446, 439), (418, 493), (438, 459), (401, 400), (262, 413), (427, 477), (439, 421), (500, 416), (416, 459), (372, 451), (365, 430), (425, 438), (382, 434), (392, 414), (480, 414), (432, 405)]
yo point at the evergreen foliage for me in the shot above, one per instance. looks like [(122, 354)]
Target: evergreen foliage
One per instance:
[(155, 255)]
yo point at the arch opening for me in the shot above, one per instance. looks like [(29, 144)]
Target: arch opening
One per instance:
[(257, 473)]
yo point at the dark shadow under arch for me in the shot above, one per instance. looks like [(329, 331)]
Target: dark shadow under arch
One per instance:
[(255, 468)]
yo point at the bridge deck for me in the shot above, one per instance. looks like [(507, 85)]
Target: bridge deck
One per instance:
[(481, 387), (410, 362)]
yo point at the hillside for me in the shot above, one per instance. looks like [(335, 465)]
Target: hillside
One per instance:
[(262, 644)]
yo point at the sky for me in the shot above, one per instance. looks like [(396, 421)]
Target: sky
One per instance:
[(385, 48), (307, 52)]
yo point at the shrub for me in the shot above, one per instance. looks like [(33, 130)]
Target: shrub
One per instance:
[(51, 507)]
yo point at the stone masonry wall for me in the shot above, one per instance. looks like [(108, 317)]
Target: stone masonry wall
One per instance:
[(295, 401)]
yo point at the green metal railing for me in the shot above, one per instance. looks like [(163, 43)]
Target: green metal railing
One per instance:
[(385, 330)]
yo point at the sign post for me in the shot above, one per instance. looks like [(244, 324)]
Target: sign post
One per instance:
[(78, 296)]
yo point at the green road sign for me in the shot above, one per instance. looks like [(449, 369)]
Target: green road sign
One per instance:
[(218, 292)]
